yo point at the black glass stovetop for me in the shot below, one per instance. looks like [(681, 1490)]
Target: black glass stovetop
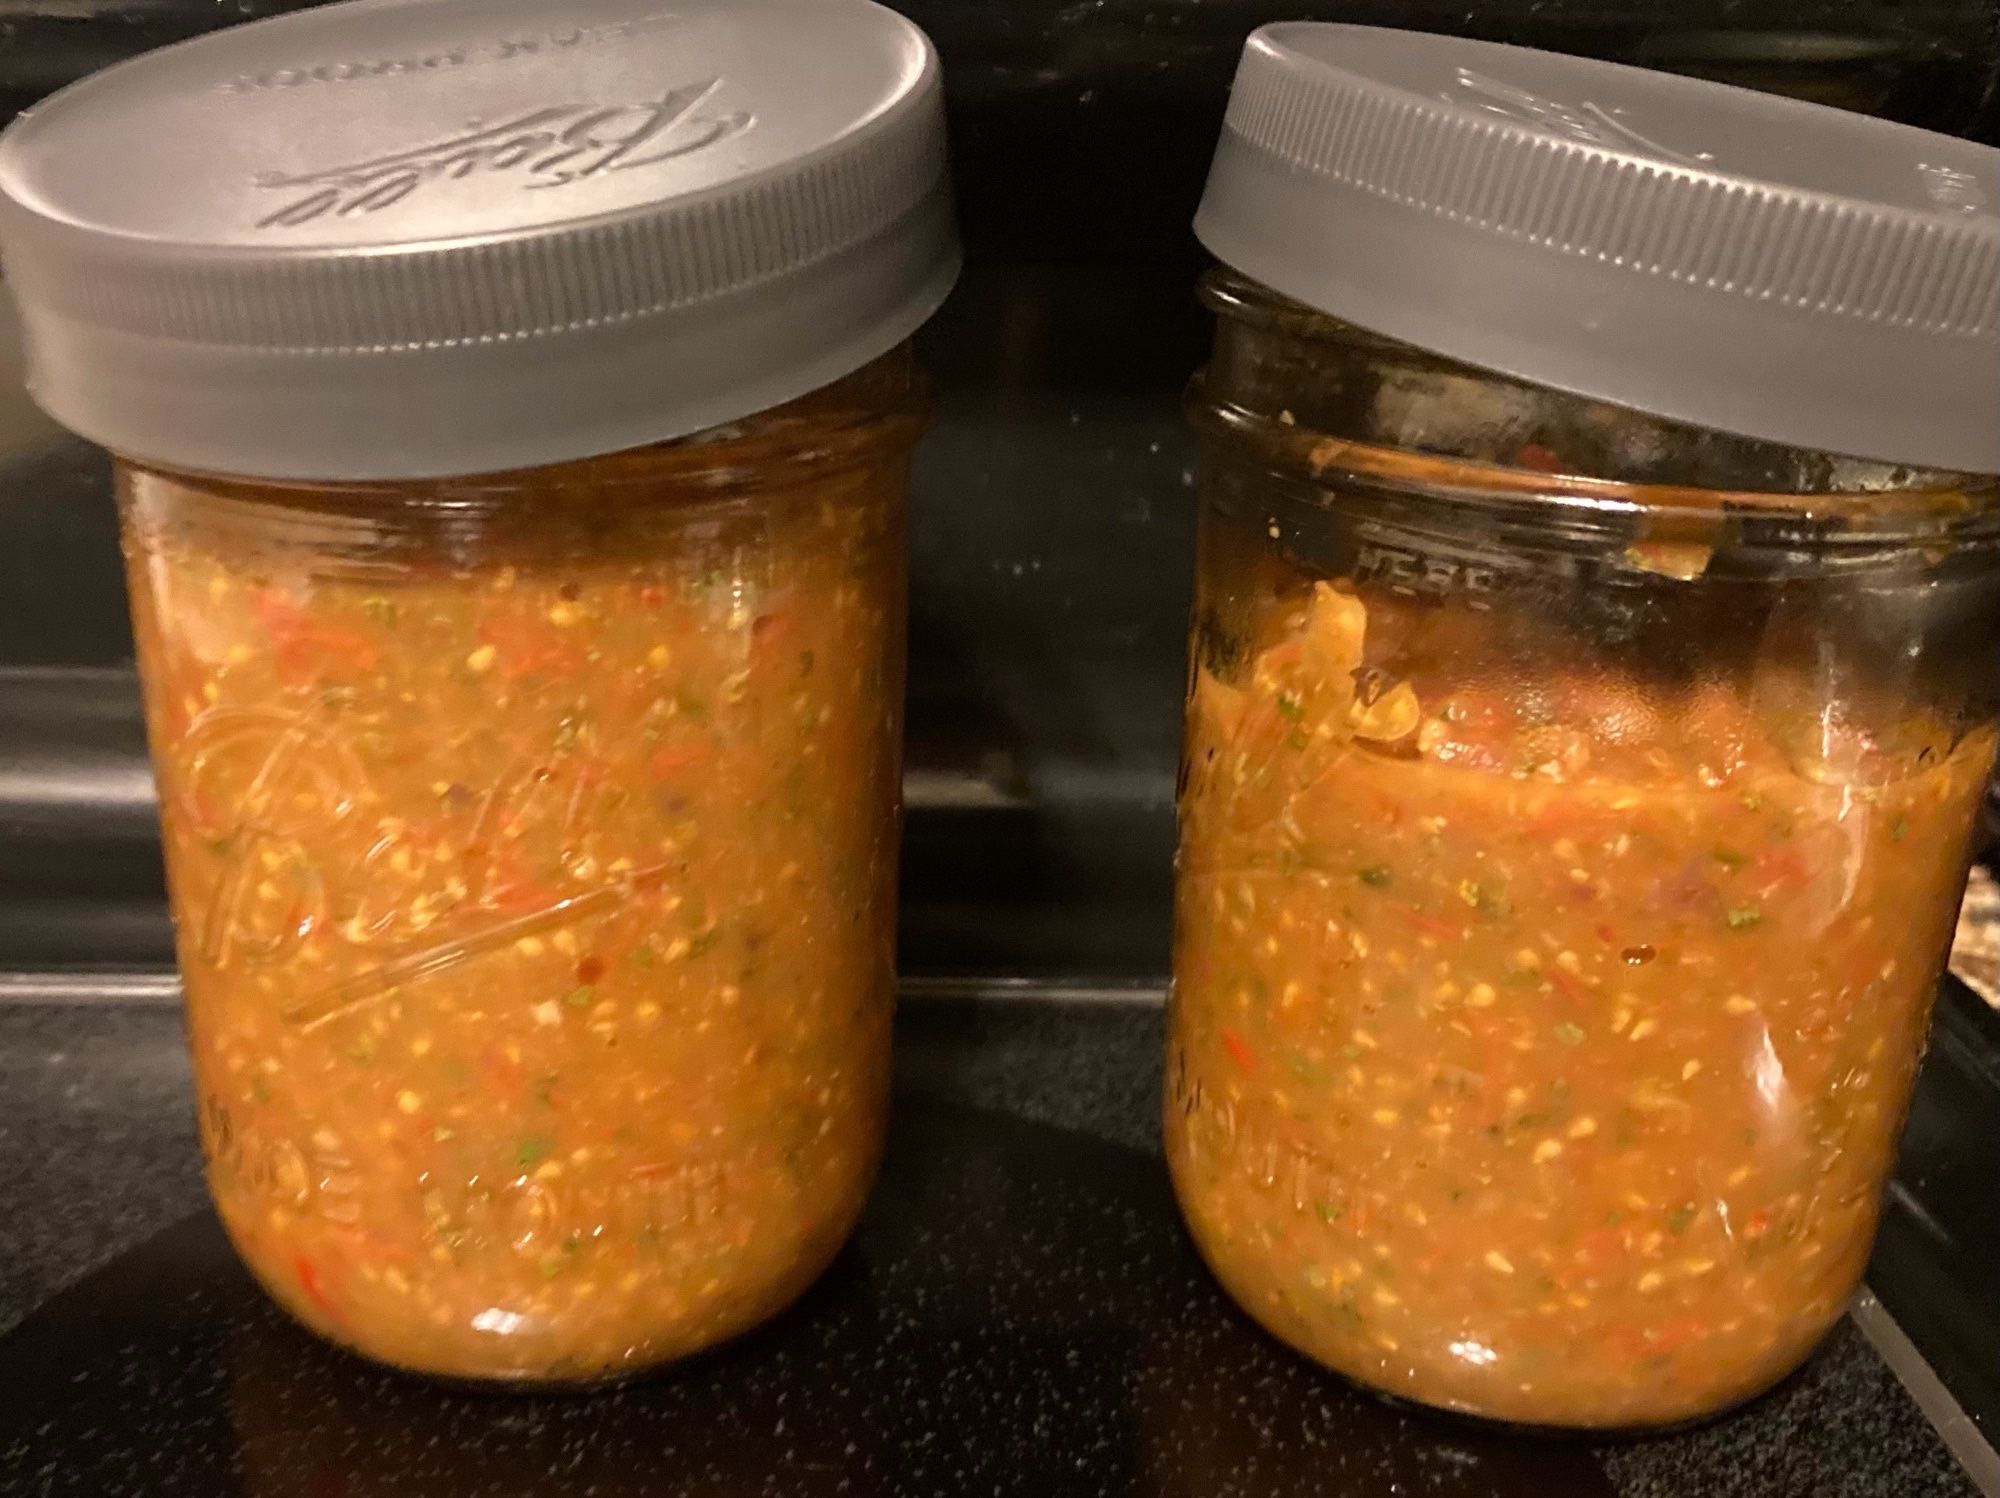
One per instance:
[(1020, 1314)]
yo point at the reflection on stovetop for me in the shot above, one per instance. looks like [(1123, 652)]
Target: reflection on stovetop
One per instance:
[(1019, 1315)]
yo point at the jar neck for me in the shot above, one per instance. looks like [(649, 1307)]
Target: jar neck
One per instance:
[(846, 443), (1309, 391), (877, 408)]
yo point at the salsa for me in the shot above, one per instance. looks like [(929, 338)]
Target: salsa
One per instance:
[(532, 847), (1540, 1039)]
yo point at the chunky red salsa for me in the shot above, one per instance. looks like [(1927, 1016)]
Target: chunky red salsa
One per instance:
[(1540, 1040), (533, 859)]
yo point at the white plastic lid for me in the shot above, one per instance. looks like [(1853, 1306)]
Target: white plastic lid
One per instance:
[(407, 238), (1710, 254)]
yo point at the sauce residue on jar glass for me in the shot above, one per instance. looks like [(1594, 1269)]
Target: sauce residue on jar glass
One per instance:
[(1539, 1041)]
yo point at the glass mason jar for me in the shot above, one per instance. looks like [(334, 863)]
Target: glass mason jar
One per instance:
[(514, 529), (532, 847), (1574, 812)]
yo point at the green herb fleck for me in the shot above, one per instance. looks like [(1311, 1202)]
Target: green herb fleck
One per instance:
[(642, 955), (1743, 917), (1569, 1032), (1680, 1217), (579, 998), (1375, 876), (440, 1134), (1304, 1067), (1329, 1211), (1290, 706), (1297, 739), (1729, 858), (1900, 828), (378, 608), (805, 663), (532, 1150)]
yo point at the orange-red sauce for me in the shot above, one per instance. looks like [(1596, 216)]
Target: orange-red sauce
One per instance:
[(1541, 1053), (534, 879)]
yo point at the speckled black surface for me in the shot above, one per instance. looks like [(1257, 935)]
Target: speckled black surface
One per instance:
[(1018, 1315)]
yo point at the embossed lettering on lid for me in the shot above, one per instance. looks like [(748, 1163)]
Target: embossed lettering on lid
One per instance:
[(1707, 253), (392, 238)]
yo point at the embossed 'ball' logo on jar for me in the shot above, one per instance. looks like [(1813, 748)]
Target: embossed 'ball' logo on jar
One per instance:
[(1592, 124), (272, 796), (549, 147), (255, 785)]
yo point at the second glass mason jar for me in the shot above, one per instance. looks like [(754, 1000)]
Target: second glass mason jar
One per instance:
[(529, 787), (1575, 809)]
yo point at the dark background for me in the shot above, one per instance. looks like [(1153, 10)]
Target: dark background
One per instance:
[(1052, 526), (1052, 518)]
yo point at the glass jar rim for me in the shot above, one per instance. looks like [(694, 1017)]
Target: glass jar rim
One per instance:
[(883, 403), (1914, 503)]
